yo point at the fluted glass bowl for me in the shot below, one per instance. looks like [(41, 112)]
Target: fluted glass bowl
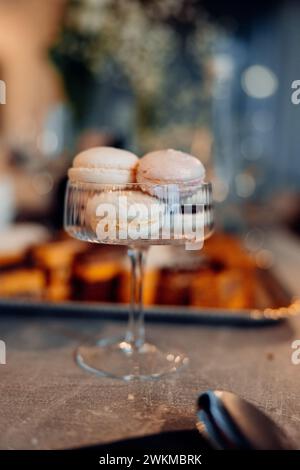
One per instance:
[(136, 216)]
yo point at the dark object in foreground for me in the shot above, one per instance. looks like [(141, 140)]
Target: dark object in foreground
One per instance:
[(230, 422)]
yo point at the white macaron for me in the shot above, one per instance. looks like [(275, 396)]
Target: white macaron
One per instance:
[(127, 215), (104, 165)]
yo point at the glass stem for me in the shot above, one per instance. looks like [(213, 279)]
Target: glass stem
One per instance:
[(136, 330)]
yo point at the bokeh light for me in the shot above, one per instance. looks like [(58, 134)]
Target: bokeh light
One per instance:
[(245, 185), (42, 183), (259, 81), (221, 189), (252, 148), (264, 259), (47, 142), (254, 239)]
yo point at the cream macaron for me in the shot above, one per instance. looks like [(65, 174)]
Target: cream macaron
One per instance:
[(104, 165), (169, 167), (127, 215)]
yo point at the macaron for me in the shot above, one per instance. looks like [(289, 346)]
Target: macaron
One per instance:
[(104, 165), (184, 226), (127, 215), (169, 167)]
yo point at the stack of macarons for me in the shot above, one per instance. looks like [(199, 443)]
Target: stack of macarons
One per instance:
[(147, 182)]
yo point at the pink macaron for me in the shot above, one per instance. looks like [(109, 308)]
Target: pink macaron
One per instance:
[(170, 167)]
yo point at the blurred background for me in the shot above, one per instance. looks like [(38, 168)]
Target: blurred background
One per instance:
[(208, 77)]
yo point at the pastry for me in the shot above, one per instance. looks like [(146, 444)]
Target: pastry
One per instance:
[(22, 283), (104, 165), (229, 289), (56, 260), (97, 274), (169, 167), (16, 240)]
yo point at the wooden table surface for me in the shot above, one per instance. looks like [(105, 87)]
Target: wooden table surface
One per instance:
[(47, 402)]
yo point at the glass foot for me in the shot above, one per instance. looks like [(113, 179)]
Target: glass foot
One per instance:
[(117, 359)]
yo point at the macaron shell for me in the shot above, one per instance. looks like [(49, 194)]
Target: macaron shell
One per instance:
[(102, 175), (169, 166), (136, 212), (104, 165), (105, 157)]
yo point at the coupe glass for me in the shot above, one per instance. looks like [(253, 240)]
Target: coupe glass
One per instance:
[(136, 216)]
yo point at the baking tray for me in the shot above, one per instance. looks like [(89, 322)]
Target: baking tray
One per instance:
[(272, 290), (120, 312)]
